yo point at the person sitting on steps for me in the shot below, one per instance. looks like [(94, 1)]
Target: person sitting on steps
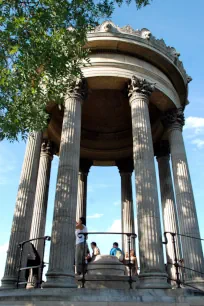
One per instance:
[(116, 251), (95, 249)]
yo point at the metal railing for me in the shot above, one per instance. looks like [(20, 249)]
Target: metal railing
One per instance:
[(176, 264), (130, 236), (41, 266)]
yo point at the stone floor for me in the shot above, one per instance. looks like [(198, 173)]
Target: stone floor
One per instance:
[(101, 297)]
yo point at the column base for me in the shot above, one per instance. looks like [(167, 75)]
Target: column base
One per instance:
[(8, 283), (197, 283), (59, 280), (153, 281)]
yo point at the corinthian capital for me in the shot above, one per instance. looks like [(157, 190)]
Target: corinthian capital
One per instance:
[(174, 118), (79, 87), (48, 148), (141, 86)]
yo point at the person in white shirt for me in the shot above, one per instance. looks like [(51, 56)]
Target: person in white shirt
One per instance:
[(79, 253), (95, 249)]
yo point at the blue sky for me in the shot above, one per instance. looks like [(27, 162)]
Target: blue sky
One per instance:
[(180, 23)]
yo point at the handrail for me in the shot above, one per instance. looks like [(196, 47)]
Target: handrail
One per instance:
[(42, 264), (129, 236), (176, 263)]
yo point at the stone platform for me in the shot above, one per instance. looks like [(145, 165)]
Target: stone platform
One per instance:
[(101, 297)]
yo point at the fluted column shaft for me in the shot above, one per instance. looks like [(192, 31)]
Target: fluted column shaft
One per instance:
[(41, 197), (82, 188), (152, 274), (82, 195), (188, 221), (61, 262), (127, 209), (169, 211), (24, 208)]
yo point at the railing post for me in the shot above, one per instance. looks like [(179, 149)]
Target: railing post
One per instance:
[(129, 264), (176, 260), (21, 245), (83, 261)]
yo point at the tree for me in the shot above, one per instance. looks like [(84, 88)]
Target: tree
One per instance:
[(41, 51)]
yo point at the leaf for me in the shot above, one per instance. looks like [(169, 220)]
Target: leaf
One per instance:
[(14, 49)]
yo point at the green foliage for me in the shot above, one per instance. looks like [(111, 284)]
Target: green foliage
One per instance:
[(41, 52)]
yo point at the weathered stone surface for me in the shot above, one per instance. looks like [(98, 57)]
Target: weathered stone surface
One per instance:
[(169, 210), (41, 197), (127, 211), (188, 221), (24, 208), (82, 188), (61, 262), (105, 265), (101, 297), (149, 230)]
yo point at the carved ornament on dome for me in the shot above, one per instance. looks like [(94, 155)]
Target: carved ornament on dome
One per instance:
[(141, 86), (146, 35)]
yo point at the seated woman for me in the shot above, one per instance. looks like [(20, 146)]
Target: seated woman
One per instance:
[(133, 262), (95, 249)]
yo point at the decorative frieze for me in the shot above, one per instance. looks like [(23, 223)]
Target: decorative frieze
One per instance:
[(146, 37)]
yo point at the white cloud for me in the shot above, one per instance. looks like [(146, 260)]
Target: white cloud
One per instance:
[(198, 142), (3, 250), (194, 128), (115, 227), (194, 123), (95, 216)]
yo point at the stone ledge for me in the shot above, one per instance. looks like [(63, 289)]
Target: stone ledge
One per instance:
[(75, 297)]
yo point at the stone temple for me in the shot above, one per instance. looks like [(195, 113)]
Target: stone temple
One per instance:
[(127, 110)]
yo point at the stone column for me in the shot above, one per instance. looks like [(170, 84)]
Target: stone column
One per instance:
[(61, 263), (21, 225), (82, 188), (127, 212), (152, 272), (169, 210), (41, 197), (188, 222)]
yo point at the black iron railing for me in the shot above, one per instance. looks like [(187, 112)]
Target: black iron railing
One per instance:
[(130, 236), (40, 266), (176, 263)]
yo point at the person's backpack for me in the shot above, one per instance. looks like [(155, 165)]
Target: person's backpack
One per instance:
[(119, 255)]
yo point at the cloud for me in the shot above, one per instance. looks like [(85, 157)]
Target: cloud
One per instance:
[(198, 142), (194, 126), (95, 216), (194, 130), (194, 123), (115, 227)]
